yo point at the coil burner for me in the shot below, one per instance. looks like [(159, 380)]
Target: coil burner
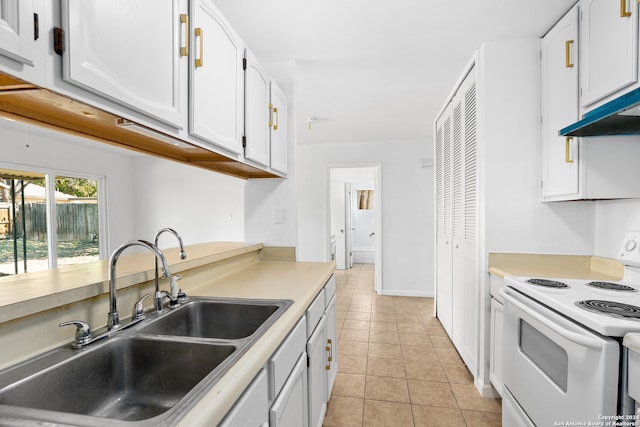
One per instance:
[(612, 286), (611, 308), (547, 283)]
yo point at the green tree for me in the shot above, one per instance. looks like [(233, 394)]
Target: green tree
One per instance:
[(78, 187)]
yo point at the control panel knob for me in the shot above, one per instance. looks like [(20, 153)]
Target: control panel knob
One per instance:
[(630, 245), (630, 249)]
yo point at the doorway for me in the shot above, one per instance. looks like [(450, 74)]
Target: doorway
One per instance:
[(355, 220)]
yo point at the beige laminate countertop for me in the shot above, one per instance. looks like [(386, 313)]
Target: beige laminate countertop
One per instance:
[(227, 269), (299, 282), (555, 266)]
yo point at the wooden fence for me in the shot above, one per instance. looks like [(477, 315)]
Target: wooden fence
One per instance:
[(75, 222)]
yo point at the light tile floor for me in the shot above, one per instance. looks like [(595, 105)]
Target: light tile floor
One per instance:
[(397, 366)]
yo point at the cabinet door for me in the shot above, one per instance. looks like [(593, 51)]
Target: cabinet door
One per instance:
[(129, 52), (252, 409), (290, 408), (17, 30), (316, 376), (495, 350), (331, 349), (216, 79), (256, 125), (609, 53), (559, 107), (278, 124)]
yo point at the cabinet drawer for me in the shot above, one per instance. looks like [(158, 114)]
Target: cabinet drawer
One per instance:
[(252, 408), (315, 312), (284, 359), (290, 408), (329, 290)]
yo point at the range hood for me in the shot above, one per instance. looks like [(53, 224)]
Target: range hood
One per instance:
[(618, 117)]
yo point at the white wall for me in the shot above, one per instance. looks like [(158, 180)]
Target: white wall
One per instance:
[(262, 198), (613, 219), (144, 193), (407, 207), (516, 221), (201, 205)]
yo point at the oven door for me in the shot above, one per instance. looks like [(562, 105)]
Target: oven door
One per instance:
[(555, 369)]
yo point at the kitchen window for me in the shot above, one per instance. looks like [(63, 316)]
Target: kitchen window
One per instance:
[(48, 219)]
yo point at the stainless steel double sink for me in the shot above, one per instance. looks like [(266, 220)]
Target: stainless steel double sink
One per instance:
[(149, 374)]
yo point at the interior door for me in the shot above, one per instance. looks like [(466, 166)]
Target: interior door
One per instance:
[(338, 222), (349, 225)]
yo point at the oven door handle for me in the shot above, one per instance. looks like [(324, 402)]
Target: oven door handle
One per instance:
[(572, 336)]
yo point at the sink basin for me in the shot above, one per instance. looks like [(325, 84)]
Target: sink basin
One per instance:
[(149, 374), (126, 379), (228, 319)]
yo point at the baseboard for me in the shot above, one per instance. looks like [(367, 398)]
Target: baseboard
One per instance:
[(403, 293), (486, 390)]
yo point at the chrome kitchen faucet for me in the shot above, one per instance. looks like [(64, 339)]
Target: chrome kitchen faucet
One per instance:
[(174, 295), (83, 332)]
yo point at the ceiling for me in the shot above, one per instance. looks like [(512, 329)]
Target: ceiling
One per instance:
[(372, 70)]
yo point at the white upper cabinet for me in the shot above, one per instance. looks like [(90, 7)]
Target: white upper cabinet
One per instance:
[(17, 35), (559, 107), (583, 168), (609, 48), (131, 52), (257, 112), (217, 80), (278, 125)]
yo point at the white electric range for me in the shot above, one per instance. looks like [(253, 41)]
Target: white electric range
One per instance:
[(610, 308), (563, 358)]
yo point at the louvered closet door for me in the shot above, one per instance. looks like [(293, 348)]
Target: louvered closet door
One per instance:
[(464, 262), (444, 221), (457, 174)]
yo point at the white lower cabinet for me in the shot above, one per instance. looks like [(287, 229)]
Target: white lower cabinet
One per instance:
[(316, 377), (290, 408), (332, 345), (322, 351), (252, 409), (495, 370), (294, 388), (288, 380)]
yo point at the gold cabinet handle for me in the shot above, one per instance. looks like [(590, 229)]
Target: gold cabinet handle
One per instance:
[(624, 13), (270, 115), (199, 35), (184, 19), (567, 150), (329, 350), (568, 44), (275, 127)]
